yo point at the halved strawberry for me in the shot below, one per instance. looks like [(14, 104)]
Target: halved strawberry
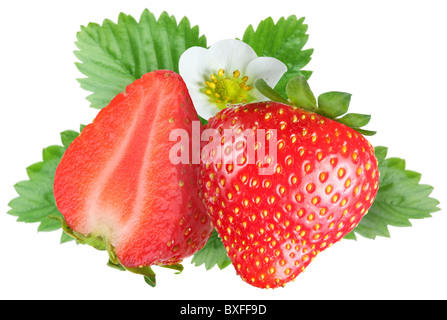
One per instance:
[(322, 181), (116, 182)]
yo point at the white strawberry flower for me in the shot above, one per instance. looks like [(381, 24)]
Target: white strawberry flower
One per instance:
[(225, 74)]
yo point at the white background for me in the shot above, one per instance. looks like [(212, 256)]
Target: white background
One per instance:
[(391, 55)]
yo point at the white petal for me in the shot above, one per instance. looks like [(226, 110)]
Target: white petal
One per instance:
[(267, 68), (193, 65), (231, 55), (203, 106)]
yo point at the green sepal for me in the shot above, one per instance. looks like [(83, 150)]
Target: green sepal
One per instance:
[(333, 104), (149, 274), (177, 267), (268, 92), (115, 265), (146, 272), (102, 244), (365, 132), (300, 94), (91, 240), (355, 120), (150, 281)]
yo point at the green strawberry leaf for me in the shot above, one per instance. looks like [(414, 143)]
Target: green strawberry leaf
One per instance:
[(380, 153), (284, 41), (35, 203), (399, 199), (113, 55), (212, 254)]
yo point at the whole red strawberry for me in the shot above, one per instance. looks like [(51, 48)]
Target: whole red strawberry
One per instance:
[(116, 183), (276, 213)]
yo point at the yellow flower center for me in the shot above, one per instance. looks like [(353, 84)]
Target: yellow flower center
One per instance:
[(223, 89)]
